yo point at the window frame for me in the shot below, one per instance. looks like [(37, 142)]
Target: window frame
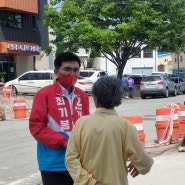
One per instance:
[(147, 53), (11, 19)]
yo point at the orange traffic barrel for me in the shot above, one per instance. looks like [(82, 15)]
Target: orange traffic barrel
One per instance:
[(181, 114), (137, 121), (167, 125), (19, 107), (6, 91)]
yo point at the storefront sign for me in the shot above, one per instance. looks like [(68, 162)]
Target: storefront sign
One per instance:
[(23, 47)]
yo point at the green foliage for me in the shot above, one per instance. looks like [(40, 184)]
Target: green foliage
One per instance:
[(117, 29), (2, 76)]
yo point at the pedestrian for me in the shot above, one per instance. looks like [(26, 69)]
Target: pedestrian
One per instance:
[(103, 147), (55, 110), (131, 87), (125, 84)]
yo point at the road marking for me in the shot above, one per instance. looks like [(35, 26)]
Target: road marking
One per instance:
[(26, 181)]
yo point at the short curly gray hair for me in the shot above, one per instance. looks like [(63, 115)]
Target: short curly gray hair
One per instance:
[(109, 91)]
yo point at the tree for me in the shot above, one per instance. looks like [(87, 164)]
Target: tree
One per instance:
[(119, 30)]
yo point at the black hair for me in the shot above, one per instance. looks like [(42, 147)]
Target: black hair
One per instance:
[(109, 91), (65, 57)]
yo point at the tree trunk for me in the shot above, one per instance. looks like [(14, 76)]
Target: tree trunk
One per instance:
[(121, 68)]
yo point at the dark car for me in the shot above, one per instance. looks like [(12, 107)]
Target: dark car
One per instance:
[(182, 75), (180, 84)]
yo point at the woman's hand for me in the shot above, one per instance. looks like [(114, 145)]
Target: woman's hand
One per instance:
[(132, 170)]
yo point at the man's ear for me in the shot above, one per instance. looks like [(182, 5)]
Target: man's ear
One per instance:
[(96, 102), (56, 71)]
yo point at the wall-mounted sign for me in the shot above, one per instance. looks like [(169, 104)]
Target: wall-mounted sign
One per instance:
[(23, 47)]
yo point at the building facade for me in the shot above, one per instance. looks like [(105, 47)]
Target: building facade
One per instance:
[(22, 36), (171, 63), (144, 63), (165, 62), (178, 63)]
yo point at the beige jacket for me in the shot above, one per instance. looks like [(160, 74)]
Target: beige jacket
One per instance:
[(100, 146)]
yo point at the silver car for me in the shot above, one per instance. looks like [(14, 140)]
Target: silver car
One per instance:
[(157, 85)]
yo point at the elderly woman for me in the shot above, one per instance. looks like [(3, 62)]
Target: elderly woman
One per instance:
[(101, 144)]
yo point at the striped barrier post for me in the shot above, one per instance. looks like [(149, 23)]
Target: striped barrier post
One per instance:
[(167, 125), (137, 121)]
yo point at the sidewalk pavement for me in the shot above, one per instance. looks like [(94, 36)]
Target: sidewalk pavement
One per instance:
[(168, 167)]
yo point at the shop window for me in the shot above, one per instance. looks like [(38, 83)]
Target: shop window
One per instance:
[(11, 19)]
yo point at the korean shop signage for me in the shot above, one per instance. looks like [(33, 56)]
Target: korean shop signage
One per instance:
[(23, 47)]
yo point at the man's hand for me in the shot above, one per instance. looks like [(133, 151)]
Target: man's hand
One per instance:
[(132, 170)]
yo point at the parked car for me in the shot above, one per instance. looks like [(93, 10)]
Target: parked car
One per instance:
[(166, 75), (158, 73), (157, 85), (92, 75), (182, 75), (84, 84), (180, 84), (31, 81)]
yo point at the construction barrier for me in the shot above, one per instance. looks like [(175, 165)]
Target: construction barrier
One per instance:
[(19, 107), (6, 91), (167, 125), (181, 115), (137, 121)]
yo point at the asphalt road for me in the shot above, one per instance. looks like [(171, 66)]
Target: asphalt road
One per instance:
[(18, 164)]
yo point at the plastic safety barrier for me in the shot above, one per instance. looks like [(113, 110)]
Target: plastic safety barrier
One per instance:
[(181, 114), (167, 125), (137, 121), (19, 107), (6, 91)]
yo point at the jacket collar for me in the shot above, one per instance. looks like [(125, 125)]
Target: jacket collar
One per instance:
[(105, 111)]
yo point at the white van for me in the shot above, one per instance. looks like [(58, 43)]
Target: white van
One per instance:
[(31, 81)]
